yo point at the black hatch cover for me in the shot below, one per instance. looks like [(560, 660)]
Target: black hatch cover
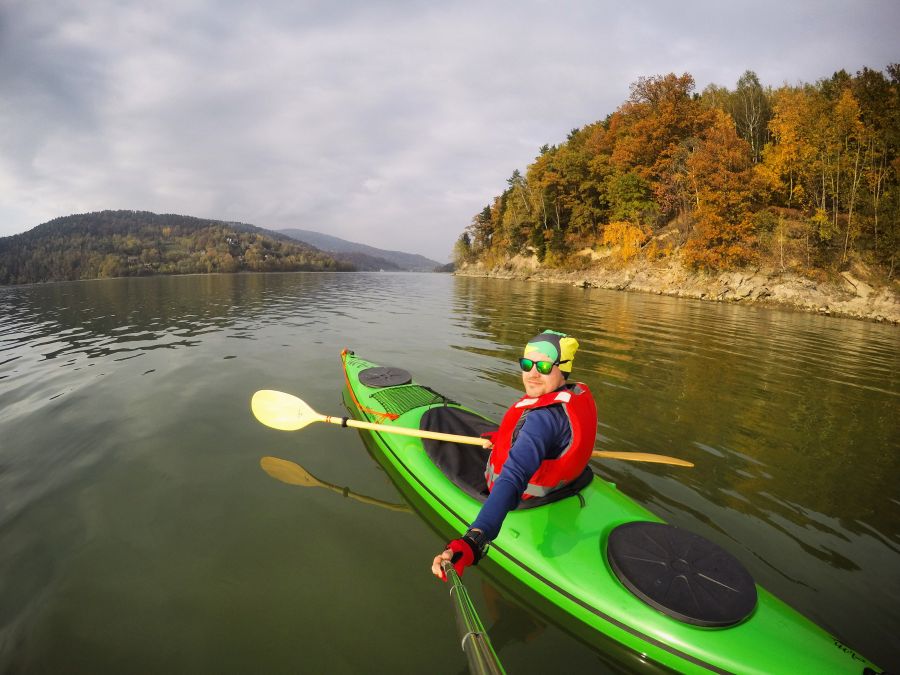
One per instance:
[(681, 574), (379, 376)]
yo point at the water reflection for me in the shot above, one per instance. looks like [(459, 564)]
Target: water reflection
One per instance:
[(124, 402), (292, 473), (105, 317)]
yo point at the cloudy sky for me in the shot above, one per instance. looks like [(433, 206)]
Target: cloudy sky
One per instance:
[(389, 123)]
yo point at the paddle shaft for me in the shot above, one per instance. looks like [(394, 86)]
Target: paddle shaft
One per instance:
[(485, 443), (402, 431), (475, 644)]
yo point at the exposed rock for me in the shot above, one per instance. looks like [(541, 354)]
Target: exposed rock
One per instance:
[(860, 288), (849, 296)]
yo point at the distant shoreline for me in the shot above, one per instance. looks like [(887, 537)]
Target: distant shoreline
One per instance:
[(169, 275), (849, 298)]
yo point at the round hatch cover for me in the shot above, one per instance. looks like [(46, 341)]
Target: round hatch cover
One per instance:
[(380, 376), (681, 574)]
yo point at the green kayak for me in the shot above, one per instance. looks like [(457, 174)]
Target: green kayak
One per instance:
[(595, 562)]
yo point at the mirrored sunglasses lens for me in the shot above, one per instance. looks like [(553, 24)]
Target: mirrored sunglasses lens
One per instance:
[(544, 367), (526, 364)]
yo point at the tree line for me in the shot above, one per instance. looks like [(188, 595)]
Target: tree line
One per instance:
[(137, 243), (803, 177)]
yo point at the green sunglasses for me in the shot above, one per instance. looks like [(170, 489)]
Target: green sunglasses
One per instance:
[(543, 367)]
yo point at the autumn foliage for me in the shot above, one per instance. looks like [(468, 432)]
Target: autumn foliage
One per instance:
[(809, 171), (626, 237)]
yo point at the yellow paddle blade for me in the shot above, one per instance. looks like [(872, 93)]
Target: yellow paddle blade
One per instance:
[(641, 457), (288, 472), (282, 411)]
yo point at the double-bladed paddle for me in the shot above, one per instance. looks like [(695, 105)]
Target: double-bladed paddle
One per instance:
[(288, 413)]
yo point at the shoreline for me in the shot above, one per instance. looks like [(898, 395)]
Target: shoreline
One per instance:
[(848, 298)]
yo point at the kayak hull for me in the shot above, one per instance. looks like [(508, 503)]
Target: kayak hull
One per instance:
[(553, 558)]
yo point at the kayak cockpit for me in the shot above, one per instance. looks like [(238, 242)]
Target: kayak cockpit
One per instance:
[(464, 464)]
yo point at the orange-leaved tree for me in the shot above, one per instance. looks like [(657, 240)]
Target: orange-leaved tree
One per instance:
[(627, 236), (719, 172), (654, 131)]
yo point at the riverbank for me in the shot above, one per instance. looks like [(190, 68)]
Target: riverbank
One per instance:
[(849, 295)]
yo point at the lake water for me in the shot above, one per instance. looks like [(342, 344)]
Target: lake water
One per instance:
[(139, 534)]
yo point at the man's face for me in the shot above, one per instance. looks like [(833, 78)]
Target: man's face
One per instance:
[(537, 384)]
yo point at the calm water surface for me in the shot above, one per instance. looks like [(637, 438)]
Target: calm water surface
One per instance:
[(138, 533)]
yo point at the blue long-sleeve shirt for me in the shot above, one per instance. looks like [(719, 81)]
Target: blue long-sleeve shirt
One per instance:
[(543, 435)]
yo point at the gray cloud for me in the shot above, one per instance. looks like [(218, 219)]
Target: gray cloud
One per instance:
[(389, 123)]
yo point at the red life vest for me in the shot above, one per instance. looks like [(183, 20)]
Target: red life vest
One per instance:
[(552, 474)]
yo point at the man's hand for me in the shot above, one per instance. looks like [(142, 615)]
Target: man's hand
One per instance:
[(436, 569)]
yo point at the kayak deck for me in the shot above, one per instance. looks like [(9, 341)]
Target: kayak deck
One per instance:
[(557, 553)]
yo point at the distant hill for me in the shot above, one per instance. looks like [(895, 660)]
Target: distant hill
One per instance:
[(363, 262), (138, 243), (408, 262)]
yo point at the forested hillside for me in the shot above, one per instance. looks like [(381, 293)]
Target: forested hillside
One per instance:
[(799, 177), (135, 243)]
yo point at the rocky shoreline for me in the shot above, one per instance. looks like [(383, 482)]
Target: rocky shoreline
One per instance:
[(849, 296)]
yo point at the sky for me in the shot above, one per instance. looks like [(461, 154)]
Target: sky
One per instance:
[(386, 123)]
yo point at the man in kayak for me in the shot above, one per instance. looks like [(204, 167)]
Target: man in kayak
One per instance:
[(543, 444)]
